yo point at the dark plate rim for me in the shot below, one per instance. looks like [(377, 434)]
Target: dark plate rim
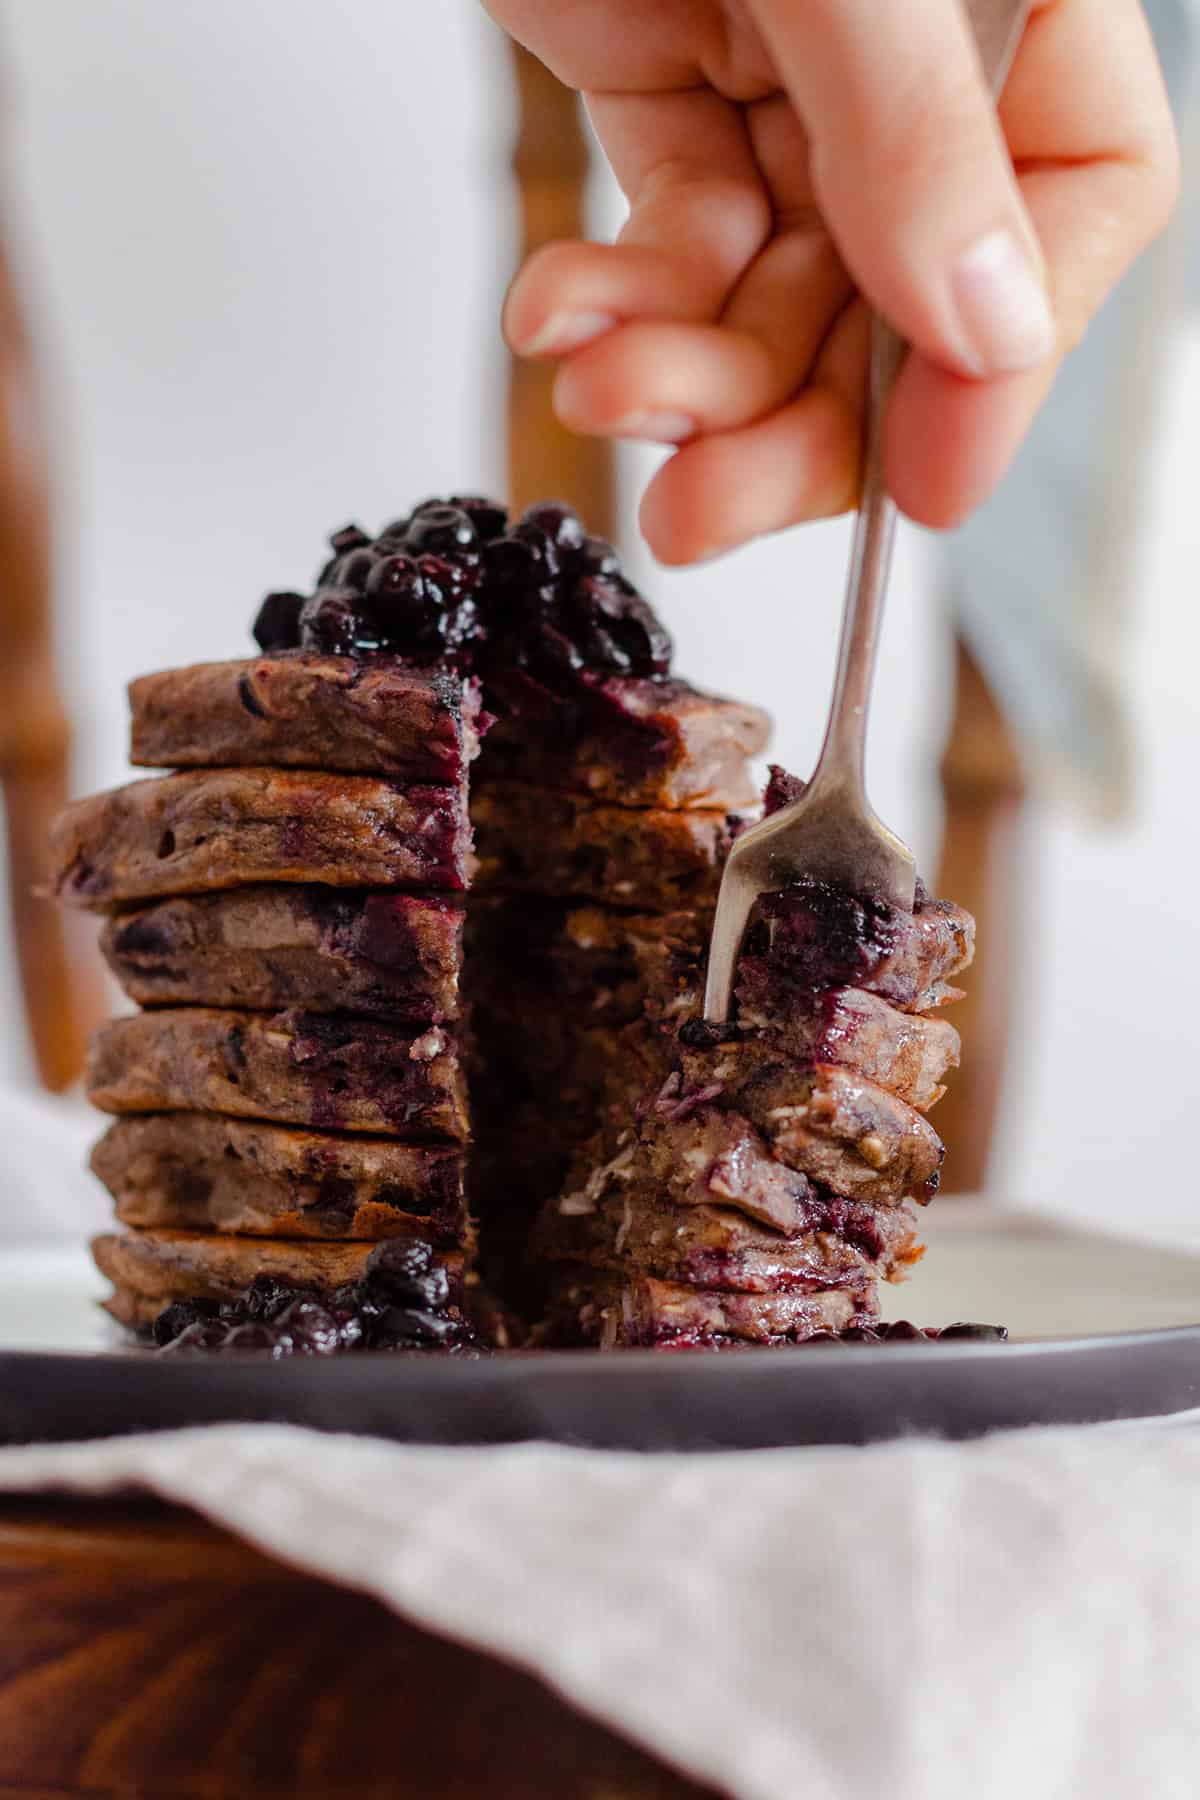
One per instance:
[(460, 1367), (635, 1400)]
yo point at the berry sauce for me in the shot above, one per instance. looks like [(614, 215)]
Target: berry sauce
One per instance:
[(458, 582), (403, 1302)]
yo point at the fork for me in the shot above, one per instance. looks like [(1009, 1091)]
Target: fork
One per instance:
[(831, 832)]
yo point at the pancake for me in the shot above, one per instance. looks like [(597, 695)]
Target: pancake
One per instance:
[(197, 1172), (315, 1069), (307, 711), (206, 829), (630, 740), (534, 840), (265, 947), (150, 1269)]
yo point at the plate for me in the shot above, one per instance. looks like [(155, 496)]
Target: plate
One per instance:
[(1102, 1330)]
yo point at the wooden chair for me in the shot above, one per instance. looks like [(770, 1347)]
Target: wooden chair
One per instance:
[(983, 867), (58, 966), (550, 166)]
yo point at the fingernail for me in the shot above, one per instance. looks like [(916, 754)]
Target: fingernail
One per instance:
[(1003, 310), (565, 331), (656, 427)]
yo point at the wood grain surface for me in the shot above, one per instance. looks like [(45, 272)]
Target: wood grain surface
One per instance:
[(144, 1653)]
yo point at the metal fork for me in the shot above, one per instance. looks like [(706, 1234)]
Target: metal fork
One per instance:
[(831, 833)]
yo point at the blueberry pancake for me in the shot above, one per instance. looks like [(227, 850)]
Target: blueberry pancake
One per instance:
[(394, 955), (204, 1172), (205, 829)]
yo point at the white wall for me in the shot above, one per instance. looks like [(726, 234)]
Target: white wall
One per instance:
[(266, 245)]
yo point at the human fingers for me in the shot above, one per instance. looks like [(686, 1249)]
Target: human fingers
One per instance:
[(699, 214), (911, 172), (667, 381), (1093, 141), (802, 462)]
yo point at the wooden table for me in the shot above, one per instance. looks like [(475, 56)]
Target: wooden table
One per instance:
[(143, 1653)]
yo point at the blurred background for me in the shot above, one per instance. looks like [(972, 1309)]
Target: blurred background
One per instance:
[(260, 253)]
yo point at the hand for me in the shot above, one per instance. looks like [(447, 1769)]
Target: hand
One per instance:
[(781, 157)]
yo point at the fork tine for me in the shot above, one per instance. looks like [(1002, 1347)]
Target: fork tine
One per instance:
[(735, 902)]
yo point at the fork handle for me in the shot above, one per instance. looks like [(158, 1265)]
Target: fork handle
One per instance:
[(997, 26), (841, 762)]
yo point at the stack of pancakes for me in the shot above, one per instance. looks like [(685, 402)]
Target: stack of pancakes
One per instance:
[(289, 908), (763, 1181), (286, 908), (416, 922)]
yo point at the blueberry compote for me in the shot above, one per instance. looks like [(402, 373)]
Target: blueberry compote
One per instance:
[(458, 581), (403, 1302), (902, 1332)]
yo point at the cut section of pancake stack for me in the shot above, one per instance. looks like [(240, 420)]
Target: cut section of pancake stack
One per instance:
[(636, 827), (763, 1181), (286, 907)]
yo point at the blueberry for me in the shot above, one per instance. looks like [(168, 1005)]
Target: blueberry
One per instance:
[(406, 607), (512, 568), (277, 626), (616, 629), (349, 1327), (538, 593), (543, 550), (487, 516), (596, 557), (448, 577), (398, 578), (201, 1334), (329, 622), (446, 530), (860, 1334), (434, 1288), (902, 1332), (267, 1296), (463, 629), (405, 1274), (401, 1257), (698, 1034), (547, 652), (354, 570), (179, 1317), (559, 525), (312, 1328), (397, 1268), (968, 1332), (259, 1337), (413, 1325)]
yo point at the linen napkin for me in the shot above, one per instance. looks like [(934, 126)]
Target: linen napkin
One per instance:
[(1009, 1618)]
